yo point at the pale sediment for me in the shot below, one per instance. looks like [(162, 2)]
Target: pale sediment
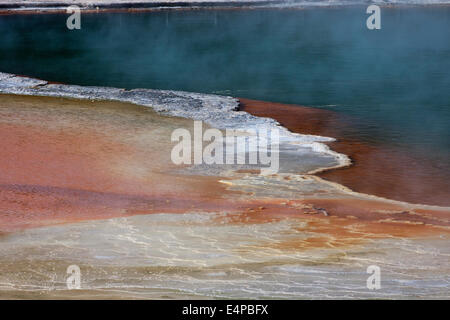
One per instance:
[(190, 256), (217, 111)]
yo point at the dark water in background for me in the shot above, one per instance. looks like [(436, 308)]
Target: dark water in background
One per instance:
[(393, 82)]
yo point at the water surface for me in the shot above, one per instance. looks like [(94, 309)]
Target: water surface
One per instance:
[(394, 81)]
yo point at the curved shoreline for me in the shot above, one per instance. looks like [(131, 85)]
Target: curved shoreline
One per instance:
[(376, 170), (221, 112), (218, 111)]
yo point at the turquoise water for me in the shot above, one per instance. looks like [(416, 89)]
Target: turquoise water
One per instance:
[(394, 82)]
